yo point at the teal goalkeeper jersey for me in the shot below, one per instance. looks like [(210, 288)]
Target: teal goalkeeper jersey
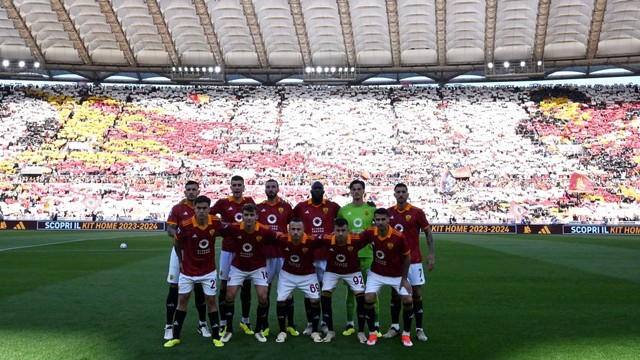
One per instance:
[(359, 219)]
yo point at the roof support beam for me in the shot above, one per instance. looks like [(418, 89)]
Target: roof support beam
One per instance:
[(597, 18), (116, 28), (21, 26), (254, 28), (394, 30), (441, 31), (74, 36), (163, 31), (301, 31), (541, 29), (207, 26), (490, 30), (347, 31)]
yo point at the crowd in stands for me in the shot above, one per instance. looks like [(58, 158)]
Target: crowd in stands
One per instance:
[(476, 154)]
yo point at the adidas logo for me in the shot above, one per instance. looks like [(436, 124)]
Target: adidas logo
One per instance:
[(306, 212), (3, 225), (544, 230), (19, 226), (349, 213), (185, 214), (230, 208), (194, 236), (263, 210)]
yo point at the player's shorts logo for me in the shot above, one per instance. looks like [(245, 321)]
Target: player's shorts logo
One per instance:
[(341, 258), (357, 222), (238, 217), (294, 258), (247, 247), (204, 243), (380, 254), (271, 219), (317, 221), (399, 227)]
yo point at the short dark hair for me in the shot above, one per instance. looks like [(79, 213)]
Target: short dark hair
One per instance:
[(237, 178), (203, 199), (296, 220), (381, 211), (191, 182), (356, 182), (341, 222), (250, 207), (400, 185), (271, 180)]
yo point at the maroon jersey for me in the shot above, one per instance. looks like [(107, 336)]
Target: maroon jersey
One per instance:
[(388, 252), (230, 211), (276, 217), (317, 220), (198, 245), (248, 246), (298, 259), (180, 212), (409, 222), (343, 259)]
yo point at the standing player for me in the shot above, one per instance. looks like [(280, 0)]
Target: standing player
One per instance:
[(343, 263), (390, 266), (276, 214), (230, 210), (317, 215), (359, 215), (298, 272), (409, 219), (249, 263), (182, 211), (195, 245)]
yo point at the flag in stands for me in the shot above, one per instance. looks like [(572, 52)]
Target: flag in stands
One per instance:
[(448, 181), (462, 172), (580, 183), (516, 211), (91, 202), (199, 98)]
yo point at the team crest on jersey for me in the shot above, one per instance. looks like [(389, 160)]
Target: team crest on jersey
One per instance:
[(280, 210), (408, 217), (366, 212), (258, 238), (305, 250), (390, 246), (211, 232), (350, 248), (325, 210)]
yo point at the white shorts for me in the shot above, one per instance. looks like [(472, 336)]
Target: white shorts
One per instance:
[(273, 267), (174, 267), (225, 264), (320, 265), (375, 282), (355, 281), (209, 283), (416, 275), (288, 282), (258, 276)]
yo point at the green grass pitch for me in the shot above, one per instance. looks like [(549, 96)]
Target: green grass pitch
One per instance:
[(77, 295)]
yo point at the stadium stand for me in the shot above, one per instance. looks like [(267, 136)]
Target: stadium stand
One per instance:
[(494, 155)]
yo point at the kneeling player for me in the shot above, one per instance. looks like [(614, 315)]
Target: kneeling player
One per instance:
[(195, 245), (343, 264), (298, 272), (391, 259)]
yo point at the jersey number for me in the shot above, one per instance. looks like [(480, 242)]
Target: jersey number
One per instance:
[(314, 288), (357, 280)]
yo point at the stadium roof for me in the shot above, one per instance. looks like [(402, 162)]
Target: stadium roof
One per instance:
[(278, 40)]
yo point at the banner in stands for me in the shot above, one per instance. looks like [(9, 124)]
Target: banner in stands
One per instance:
[(81, 225), (538, 229)]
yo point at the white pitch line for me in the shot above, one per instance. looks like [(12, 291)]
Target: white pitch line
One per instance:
[(65, 242)]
